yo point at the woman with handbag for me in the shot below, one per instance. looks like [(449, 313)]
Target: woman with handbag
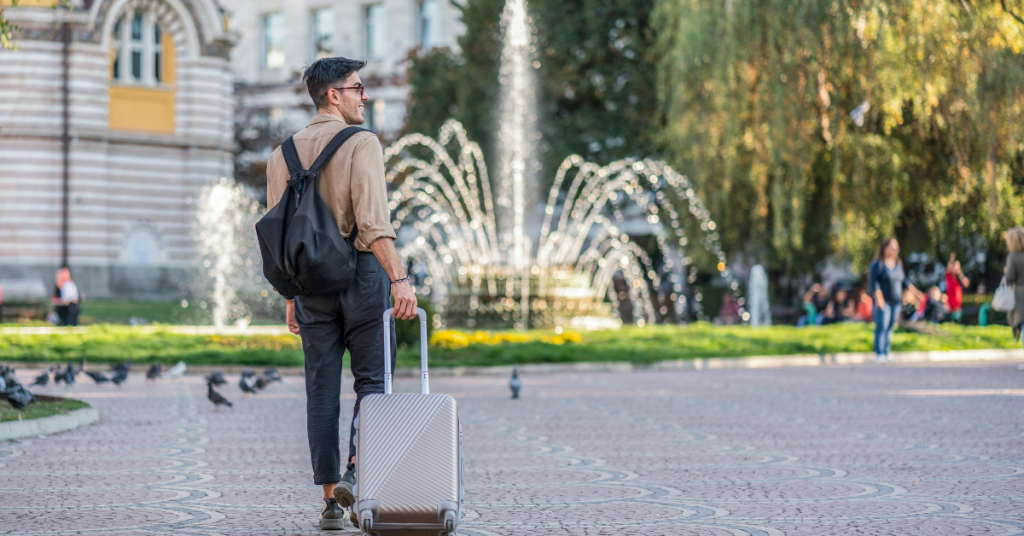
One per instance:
[(1014, 279)]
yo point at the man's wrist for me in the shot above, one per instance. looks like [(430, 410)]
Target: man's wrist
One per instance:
[(400, 280)]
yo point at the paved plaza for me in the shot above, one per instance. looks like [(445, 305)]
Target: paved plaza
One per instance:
[(870, 450)]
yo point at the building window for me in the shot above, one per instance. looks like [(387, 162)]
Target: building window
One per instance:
[(323, 33), (430, 24), (375, 30), (138, 54), (273, 41)]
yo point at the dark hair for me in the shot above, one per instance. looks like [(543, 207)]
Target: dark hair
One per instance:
[(880, 254), (325, 73)]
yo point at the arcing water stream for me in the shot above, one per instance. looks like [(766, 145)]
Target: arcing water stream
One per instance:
[(483, 268)]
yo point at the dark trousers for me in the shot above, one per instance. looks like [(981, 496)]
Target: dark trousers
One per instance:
[(330, 323), (68, 314)]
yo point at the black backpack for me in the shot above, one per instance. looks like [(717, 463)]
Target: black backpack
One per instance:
[(303, 251)]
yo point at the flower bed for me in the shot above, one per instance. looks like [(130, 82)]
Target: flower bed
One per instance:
[(481, 348)]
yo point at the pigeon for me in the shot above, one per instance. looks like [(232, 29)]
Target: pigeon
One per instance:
[(261, 383), (120, 374), (215, 397), (97, 377), (154, 372), (271, 375), (3, 384), (176, 372), (19, 397), (246, 383), (69, 375), (216, 378), (515, 383), (44, 378), (9, 377)]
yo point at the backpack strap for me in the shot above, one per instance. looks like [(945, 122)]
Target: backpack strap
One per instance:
[(332, 148), (291, 157)]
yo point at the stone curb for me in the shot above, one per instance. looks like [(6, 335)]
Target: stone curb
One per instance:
[(698, 363), (709, 363), (48, 425)]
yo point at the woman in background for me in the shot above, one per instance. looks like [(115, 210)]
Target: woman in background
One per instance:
[(886, 283), (1015, 277)]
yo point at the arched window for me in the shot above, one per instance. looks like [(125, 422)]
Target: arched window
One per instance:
[(142, 65), (138, 50)]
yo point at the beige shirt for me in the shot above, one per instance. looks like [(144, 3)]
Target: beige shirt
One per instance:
[(351, 184)]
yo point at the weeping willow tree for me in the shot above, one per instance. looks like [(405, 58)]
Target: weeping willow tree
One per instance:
[(815, 128)]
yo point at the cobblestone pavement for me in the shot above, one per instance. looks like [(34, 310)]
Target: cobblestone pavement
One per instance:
[(930, 450)]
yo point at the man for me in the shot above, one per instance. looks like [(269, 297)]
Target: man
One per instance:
[(66, 298), (353, 187), (956, 281)]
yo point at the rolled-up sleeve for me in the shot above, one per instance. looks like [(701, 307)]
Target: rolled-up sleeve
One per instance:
[(370, 194)]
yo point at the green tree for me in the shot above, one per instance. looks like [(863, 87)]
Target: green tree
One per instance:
[(814, 129), (596, 78), (462, 86), (595, 75), (6, 28)]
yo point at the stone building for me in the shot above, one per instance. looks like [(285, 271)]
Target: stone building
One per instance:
[(114, 114), (279, 38)]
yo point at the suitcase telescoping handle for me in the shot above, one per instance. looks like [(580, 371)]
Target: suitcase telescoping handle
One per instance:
[(424, 379)]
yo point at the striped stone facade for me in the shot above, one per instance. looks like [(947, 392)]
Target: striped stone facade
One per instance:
[(130, 198)]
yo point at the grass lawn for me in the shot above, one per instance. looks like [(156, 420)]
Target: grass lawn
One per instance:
[(638, 345), (40, 409)]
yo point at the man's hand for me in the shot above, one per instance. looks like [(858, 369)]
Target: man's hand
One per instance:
[(289, 314), (405, 301)]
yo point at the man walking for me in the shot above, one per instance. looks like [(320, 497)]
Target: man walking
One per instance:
[(353, 187)]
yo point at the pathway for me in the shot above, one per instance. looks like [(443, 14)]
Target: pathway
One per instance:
[(904, 450)]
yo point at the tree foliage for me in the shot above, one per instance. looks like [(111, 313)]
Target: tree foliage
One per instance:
[(6, 28), (816, 128), (596, 78), (463, 86)]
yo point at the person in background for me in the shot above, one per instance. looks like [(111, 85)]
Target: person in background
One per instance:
[(729, 312), (956, 282), (886, 282), (914, 305), (1015, 277), (935, 310), (839, 308), (817, 297), (862, 305), (66, 298)]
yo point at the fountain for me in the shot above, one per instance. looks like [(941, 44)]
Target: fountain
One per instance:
[(484, 271), (757, 292), (225, 218)]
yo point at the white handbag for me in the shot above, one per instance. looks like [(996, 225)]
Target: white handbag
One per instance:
[(1004, 299)]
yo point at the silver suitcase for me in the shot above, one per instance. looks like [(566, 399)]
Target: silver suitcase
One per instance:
[(409, 468)]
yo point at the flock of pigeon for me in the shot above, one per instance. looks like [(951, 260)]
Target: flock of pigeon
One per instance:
[(249, 383), (19, 396)]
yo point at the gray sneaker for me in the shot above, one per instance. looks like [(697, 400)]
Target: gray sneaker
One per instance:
[(332, 517), (343, 491)]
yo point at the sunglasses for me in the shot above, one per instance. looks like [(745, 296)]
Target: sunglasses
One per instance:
[(362, 89)]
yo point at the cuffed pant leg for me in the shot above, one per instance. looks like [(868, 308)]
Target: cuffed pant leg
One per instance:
[(364, 304), (322, 345)]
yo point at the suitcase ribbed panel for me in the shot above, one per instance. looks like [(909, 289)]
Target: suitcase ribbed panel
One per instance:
[(429, 471), (408, 454), (388, 426)]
